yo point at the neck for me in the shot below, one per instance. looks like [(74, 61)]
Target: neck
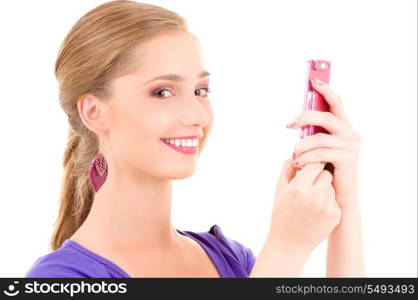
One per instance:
[(130, 211)]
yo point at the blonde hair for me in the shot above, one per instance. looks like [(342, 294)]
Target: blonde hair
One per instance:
[(97, 49)]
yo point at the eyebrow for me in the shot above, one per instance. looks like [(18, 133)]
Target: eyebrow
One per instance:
[(175, 77)]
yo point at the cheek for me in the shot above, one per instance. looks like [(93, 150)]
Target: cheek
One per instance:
[(135, 136), (207, 129)]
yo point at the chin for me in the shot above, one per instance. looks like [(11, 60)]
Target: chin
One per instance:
[(180, 173)]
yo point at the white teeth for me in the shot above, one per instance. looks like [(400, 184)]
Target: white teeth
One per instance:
[(183, 142)]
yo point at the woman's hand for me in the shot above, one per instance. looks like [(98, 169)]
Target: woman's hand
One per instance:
[(305, 211), (304, 214), (340, 147)]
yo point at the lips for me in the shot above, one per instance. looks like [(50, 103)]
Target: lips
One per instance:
[(186, 137), (184, 150)]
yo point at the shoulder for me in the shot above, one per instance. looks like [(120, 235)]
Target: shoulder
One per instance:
[(243, 254), (239, 258), (66, 262)]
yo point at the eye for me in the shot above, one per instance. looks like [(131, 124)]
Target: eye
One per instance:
[(206, 89), (159, 92)]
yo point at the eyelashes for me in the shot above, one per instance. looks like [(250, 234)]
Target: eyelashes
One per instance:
[(157, 93)]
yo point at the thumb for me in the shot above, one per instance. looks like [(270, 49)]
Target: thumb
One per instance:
[(288, 173)]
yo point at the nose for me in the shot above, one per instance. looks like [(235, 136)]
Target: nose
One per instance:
[(195, 113)]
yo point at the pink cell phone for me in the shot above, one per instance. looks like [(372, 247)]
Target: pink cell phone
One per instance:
[(313, 100)]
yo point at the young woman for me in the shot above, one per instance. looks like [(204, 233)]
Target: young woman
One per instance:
[(133, 85)]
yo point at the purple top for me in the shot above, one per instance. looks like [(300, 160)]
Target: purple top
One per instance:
[(231, 258)]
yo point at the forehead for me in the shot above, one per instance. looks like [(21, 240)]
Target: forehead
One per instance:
[(173, 52)]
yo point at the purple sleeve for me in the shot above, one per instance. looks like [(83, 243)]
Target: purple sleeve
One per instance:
[(53, 271), (249, 260), (243, 255), (65, 264)]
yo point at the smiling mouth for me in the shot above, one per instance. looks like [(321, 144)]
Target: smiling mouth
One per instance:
[(185, 146), (185, 143)]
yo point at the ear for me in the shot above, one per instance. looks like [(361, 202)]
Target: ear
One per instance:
[(92, 113)]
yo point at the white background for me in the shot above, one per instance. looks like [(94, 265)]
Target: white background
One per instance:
[(256, 52)]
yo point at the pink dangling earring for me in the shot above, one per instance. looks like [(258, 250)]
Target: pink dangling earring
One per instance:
[(98, 170)]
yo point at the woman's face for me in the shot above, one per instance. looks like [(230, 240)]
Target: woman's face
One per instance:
[(144, 111)]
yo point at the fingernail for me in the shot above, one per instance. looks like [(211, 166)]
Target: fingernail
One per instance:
[(291, 124), (317, 81), (296, 166)]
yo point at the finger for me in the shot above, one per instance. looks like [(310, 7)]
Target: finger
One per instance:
[(309, 173), (323, 184), (323, 180), (319, 140), (338, 157), (335, 102), (324, 119), (287, 174)]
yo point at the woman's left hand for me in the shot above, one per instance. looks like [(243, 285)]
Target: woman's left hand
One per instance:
[(340, 147)]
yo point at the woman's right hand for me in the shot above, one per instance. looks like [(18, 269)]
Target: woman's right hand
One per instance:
[(305, 210)]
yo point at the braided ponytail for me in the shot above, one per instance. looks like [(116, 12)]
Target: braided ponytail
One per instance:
[(76, 194)]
